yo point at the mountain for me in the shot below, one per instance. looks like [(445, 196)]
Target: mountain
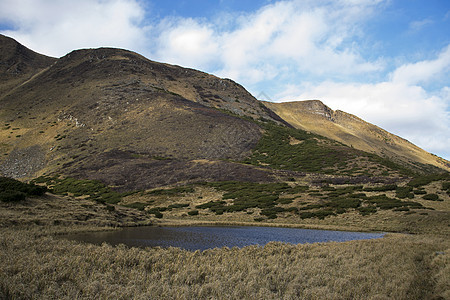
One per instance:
[(132, 123), (114, 115), (111, 126), (18, 64), (314, 116)]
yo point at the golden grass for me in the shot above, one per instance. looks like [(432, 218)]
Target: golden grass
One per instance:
[(35, 264), (52, 210), (395, 267)]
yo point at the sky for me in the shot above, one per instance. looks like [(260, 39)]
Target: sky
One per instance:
[(386, 61)]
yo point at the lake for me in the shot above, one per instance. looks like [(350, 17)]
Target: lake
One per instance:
[(207, 237)]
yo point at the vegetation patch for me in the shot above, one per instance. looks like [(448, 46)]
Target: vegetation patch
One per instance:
[(313, 153), (427, 179), (12, 190), (384, 202), (432, 197), (94, 189), (173, 192)]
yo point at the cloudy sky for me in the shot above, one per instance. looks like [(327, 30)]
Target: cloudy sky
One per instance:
[(386, 61)]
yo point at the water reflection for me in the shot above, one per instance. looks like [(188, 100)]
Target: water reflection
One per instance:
[(206, 237)]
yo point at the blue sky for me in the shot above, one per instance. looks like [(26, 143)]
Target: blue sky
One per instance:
[(386, 61)]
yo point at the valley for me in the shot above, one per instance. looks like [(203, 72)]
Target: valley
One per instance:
[(101, 139)]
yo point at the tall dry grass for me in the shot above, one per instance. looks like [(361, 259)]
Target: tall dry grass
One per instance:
[(36, 266)]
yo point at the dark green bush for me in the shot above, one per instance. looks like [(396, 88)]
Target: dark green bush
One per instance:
[(343, 203), (404, 192), (13, 190), (367, 210), (427, 179), (419, 192), (384, 188), (446, 185), (177, 191), (193, 212), (432, 197), (12, 196), (95, 189), (177, 205), (384, 202)]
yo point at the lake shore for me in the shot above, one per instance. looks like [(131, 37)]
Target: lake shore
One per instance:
[(38, 265)]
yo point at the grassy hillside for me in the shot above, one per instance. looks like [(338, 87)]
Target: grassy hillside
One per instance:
[(352, 131)]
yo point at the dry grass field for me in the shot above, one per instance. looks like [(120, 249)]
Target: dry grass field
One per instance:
[(37, 264)]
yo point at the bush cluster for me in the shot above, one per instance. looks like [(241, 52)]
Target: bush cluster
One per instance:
[(95, 189), (12, 190)]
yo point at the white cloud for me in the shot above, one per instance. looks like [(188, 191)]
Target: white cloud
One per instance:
[(187, 42), (57, 27), (398, 105), (315, 41), (418, 25), (312, 36), (423, 71)]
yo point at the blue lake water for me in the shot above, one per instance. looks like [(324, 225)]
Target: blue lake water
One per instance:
[(207, 237)]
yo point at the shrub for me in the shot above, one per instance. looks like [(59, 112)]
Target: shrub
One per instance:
[(367, 210), (419, 192), (424, 180), (193, 212), (177, 205), (95, 189), (432, 197), (12, 196), (384, 188), (404, 192), (384, 202), (177, 191), (14, 190)]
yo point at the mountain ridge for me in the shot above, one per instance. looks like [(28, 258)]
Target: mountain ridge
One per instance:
[(113, 115), (315, 116)]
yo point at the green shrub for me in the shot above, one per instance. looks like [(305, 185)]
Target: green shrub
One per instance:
[(12, 196), (177, 205), (155, 211), (177, 191), (419, 192), (193, 212), (13, 190), (95, 189), (404, 192), (384, 188), (427, 179), (307, 215), (367, 210), (432, 197), (110, 207), (343, 203), (446, 185)]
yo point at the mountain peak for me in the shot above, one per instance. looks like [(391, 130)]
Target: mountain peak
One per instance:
[(16, 59)]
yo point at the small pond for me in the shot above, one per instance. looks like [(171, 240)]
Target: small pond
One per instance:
[(206, 237)]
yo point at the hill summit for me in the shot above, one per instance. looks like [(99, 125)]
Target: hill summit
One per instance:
[(314, 116)]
